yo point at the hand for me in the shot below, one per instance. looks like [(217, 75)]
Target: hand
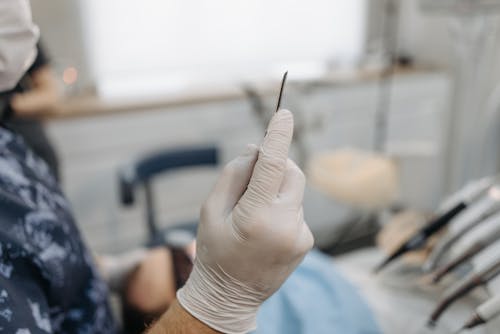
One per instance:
[(252, 234)]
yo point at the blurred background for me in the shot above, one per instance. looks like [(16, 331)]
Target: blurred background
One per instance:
[(395, 103)]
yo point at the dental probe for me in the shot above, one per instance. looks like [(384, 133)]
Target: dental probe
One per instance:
[(485, 207), (451, 208), (484, 313), (463, 287), (280, 97), (489, 233)]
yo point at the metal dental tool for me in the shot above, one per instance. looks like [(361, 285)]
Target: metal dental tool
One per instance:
[(449, 210), (471, 191), (280, 97), (486, 234), (485, 207), (484, 313), (463, 287)]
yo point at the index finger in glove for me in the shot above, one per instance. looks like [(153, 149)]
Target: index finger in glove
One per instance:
[(270, 167), (233, 181)]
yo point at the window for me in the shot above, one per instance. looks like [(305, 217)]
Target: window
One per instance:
[(139, 46)]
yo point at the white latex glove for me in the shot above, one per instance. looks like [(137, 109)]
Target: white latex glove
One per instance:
[(252, 234)]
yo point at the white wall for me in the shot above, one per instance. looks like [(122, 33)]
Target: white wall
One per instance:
[(215, 40), (161, 42)]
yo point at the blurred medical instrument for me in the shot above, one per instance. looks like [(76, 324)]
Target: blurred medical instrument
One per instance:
[(449, 210), (280, 97), (476, 215), (463, 287), (487, 234), (484, 313)]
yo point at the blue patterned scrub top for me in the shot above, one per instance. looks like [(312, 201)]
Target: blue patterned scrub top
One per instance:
[(48, 281)]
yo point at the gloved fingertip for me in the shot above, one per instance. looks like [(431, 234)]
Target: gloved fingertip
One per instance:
[(283, 115), (282, 122)]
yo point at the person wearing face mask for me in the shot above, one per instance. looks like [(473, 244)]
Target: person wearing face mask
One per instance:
[(36, 92), (27, 84), (251, 237)]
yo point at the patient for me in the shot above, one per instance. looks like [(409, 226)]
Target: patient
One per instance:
[(252, 237), (316, 299), (149, 288)]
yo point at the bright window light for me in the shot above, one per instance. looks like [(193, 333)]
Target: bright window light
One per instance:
[(148, 46)]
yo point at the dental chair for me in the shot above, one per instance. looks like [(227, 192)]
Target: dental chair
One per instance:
[(142, 173)]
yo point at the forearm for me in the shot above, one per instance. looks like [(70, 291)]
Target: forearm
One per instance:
[(178, 321)]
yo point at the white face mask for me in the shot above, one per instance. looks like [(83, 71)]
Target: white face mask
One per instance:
[(18, 38)]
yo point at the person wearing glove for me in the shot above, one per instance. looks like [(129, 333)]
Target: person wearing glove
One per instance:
[(252, 235)]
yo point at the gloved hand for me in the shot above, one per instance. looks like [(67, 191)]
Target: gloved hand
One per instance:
[(251, 236)]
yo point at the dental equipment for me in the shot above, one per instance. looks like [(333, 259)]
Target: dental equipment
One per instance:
[(476, 215), (487, 234), (484, 313), (463, 287), (280, 97), (449, 210)]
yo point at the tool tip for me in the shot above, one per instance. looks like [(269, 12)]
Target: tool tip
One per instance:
[(381, 266), (431, 324), (434, 278), (377, 270), (474, 321), (283, 81)]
